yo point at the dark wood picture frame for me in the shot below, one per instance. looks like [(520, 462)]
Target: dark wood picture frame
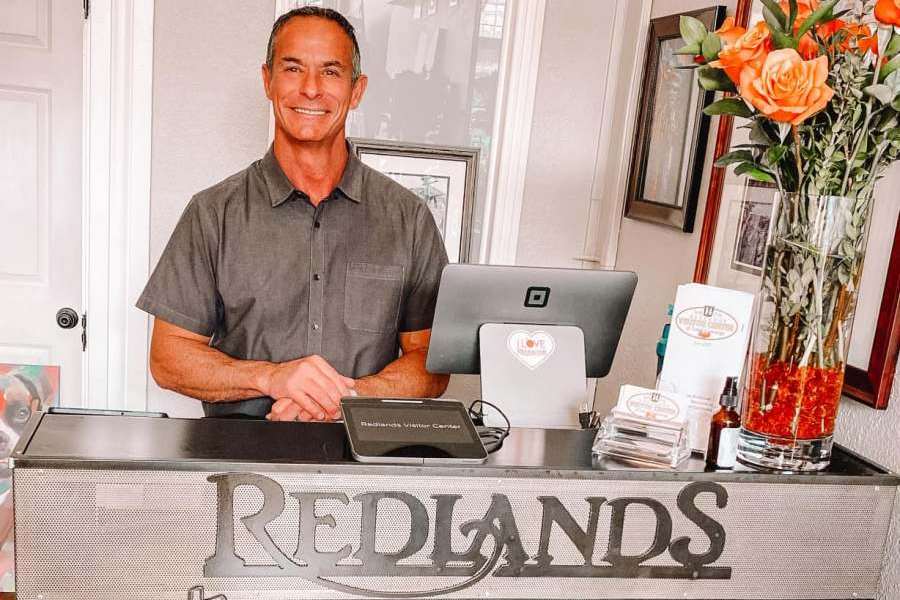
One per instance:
[(871, 386), (637, 206)]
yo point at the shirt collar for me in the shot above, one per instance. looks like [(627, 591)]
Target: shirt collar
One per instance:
[(280, 187)]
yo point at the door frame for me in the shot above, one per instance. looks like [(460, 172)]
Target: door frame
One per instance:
[(116, 150)]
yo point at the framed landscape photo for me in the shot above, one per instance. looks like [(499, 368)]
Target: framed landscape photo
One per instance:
[(442, 176), (671, 131)]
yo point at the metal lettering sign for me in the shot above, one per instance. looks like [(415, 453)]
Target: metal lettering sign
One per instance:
[(498, 524), (315, 532)]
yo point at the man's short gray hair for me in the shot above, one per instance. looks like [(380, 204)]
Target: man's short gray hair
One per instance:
[(322, 13)]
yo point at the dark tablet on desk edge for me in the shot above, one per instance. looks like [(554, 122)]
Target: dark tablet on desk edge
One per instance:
[(411, 431)]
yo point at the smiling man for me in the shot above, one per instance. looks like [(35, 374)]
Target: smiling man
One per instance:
[(302, 277)]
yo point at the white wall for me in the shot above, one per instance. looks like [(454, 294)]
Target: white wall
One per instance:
[(568, 108), (663, 258), (210, 117), (568, 116)]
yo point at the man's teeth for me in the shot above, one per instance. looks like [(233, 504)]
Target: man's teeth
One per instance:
[(308, 111)]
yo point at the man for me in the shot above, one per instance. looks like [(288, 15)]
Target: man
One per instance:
[(299, 279)]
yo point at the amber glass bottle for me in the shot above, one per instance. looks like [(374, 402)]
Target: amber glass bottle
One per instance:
[(722, 449)]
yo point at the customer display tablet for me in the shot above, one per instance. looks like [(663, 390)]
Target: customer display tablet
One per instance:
[(411, 430)]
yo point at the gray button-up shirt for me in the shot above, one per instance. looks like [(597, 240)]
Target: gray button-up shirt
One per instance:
[(268, 276)]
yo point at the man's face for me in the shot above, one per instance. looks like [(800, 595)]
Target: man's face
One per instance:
[(310, 82)]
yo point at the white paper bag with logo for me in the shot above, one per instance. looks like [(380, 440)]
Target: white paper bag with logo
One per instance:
[(534, 373), (707, 343)]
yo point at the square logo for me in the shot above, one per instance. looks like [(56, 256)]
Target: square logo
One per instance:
[(537, 297)]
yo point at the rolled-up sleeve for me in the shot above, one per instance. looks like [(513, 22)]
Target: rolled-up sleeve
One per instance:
[(428, 262), (182, 289)]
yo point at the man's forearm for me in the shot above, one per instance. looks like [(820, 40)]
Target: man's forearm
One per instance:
[(207, 374), (404, 377)]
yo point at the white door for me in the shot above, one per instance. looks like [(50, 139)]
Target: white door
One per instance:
[(40, 185)]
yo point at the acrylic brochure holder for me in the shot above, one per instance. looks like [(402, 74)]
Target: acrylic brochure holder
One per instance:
[(646, 427), (642, 441), (534, 373)]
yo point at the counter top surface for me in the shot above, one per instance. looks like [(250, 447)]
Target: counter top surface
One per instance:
[(55, 440)]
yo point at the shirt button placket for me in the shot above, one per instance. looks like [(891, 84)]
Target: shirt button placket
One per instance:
[(316, 285)]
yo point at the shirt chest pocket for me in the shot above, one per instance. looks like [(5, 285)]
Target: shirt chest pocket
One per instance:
[(372, 297)]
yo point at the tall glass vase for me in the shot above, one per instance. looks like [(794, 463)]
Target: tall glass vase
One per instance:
[(801, 331)]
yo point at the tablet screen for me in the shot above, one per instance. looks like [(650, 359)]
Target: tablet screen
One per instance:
[(417, 428)]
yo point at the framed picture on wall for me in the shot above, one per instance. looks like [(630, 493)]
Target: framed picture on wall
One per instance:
[(671, 131), (752, 228), (442, 176)]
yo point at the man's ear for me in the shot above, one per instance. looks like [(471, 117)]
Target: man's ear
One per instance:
[(359, 90), (267, 79)]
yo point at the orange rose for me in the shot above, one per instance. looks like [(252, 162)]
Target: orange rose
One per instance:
[(749, 50), (729, 32), (888, 12), (787, 89)]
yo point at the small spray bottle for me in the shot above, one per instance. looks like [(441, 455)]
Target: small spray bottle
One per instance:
[(723, 431)]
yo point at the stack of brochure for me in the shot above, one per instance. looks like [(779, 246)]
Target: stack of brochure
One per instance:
[(707, 343)]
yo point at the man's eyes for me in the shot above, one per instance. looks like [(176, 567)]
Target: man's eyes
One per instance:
[(329, 72)]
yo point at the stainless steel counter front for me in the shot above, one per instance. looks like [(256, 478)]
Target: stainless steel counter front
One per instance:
[(126, 507)]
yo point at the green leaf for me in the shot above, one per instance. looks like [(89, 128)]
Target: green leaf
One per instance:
[(782, 40), (893, 83), (775, 154), (711, 46), (728, 106), (891, 66), (754, 172), (690, 49), (760, 135), (714, 79), (693, 31), (772, 21), (882, 92), (896, 106), (893, 46), (820, 14), (735, 156), (792, 15), (780, 19)]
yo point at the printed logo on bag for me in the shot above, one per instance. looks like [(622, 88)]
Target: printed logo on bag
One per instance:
[(652, 405), (532, 348), (706, 323), (334, 541)]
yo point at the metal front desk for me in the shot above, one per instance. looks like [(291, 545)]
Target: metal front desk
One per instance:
[(119, 507)]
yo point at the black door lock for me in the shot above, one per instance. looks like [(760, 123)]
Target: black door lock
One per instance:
[(66, 318)]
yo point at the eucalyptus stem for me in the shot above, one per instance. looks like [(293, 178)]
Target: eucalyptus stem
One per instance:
[(862, 133), (796, 137)]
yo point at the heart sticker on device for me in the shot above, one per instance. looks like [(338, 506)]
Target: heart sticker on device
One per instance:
[(532, 348)]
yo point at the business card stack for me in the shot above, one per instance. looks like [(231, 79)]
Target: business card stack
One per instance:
[(707, 343), (646, 426)]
